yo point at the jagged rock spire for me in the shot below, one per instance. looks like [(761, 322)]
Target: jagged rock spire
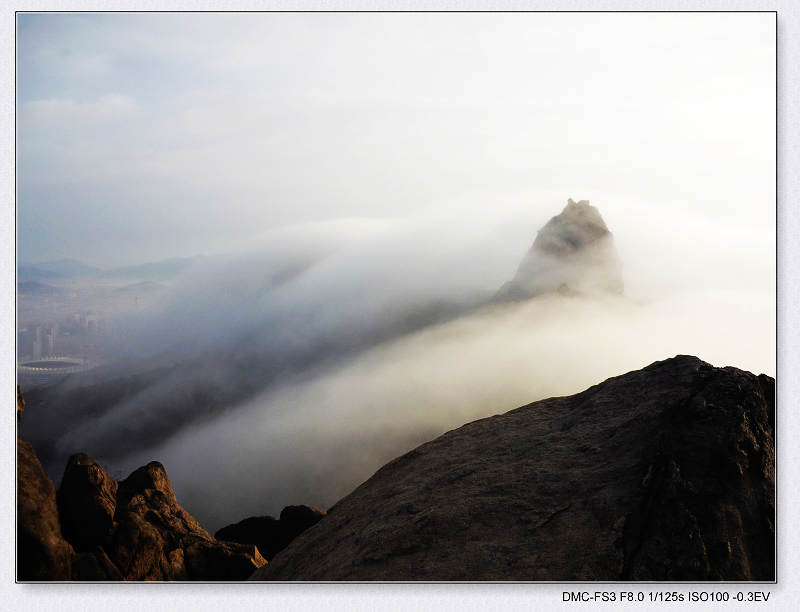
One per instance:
[(574, 251)]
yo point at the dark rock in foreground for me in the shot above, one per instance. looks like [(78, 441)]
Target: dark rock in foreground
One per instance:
[(271, 535), (665, 473), (129, 530)]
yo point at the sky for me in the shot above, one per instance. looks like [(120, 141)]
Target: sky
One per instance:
[(146, 136)]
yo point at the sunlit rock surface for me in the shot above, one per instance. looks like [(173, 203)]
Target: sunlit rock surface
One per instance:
[(665, 473), (573, 252), (129, 530)]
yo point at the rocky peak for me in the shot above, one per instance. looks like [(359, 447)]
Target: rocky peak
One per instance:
[(572, 253), (578, 226), (152, 476)]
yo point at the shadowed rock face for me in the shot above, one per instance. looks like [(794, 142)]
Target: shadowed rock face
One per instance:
[(265, 532), (87, 499), (131, 530), (269, 534), (665, 473), (573, 252)]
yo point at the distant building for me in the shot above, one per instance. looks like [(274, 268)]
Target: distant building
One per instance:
[(49, 340), (49, 371)]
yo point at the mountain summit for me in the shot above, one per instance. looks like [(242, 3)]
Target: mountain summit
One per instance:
[(573, 252)]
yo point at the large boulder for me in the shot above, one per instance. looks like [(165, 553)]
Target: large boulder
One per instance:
[(665, 473), (296, 519), (269, 534), (43, 553)]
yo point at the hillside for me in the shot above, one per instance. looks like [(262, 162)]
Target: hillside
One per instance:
[(665, 473)]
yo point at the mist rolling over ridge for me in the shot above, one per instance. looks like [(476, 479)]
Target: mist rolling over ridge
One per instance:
[(318, 360), (279, 261)]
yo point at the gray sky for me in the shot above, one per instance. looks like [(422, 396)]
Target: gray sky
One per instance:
[(147, 136)]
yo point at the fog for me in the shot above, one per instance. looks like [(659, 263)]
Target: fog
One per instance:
[(314, 442), (360, 201), (321, 378)]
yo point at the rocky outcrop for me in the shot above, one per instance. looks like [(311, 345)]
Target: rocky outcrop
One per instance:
[(156, 539), (129, 530), (269, 534), (665, 473), (43, 553), (573, 253)]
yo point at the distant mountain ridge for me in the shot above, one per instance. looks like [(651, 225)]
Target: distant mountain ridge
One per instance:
[(162, 269), (32, 287), (62, 268), (72, 268), (146, 286)]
